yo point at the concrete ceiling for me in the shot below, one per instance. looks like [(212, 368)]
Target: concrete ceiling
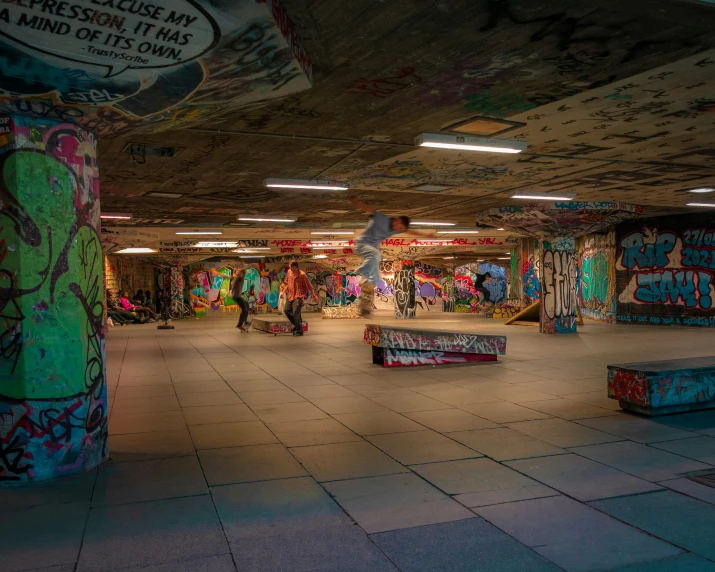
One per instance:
[(614, 99)]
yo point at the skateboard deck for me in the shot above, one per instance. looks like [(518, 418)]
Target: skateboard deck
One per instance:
[(366, 299)]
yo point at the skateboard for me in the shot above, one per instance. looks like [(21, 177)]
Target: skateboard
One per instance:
[(366, 299)]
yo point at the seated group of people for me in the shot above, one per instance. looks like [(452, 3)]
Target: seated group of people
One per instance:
[(122, 311)]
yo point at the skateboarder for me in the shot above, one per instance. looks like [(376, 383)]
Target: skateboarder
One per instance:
[(479, 280), (378, 229), (237, 295), (296, 292)]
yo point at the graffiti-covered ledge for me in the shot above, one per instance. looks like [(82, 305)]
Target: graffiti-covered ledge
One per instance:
[(113, 67)]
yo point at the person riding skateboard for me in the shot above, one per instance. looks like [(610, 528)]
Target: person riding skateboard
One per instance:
[(367, 246), (479, 280)]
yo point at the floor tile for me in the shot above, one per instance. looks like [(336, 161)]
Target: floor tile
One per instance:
[(140, 391), (200, 386), (640, 460), (561, 433), (238, 434), (581, 478), (46, 535), (698, 421), (458, 396), (636, 428), (209, 398), (144, 422), (317, 391), (559, 388), (573, 535), (407, 403), (306, 381), (121, 483), (209, 414), (339, 405), (504, 444), (421, 447), (151, 533), (676, 518), (220, 563), (569, 409), (503, 412), (392, 502), (377, 422), (698, 448), (288, 412), (447, 420), (139, 380), (345, 461), (518, 394), (193, 377), (256, 385), (154, 445), (597, 399), (65, 490), (252, 374), (270, 397), (247, 464), (312, 432), (691, 489), (145, 405), (470, 545), (680, 563)]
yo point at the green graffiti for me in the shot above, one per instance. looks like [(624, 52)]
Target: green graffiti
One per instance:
[(594, 270)]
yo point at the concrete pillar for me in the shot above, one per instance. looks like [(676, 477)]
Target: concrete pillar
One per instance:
[(559, 274), (404, 284), (53, 394)]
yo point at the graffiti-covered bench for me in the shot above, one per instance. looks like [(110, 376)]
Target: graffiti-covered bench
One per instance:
[(404, 347), (662, 387), (275, 326), (341, 312)]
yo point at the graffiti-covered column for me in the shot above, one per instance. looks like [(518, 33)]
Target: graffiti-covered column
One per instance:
[(177, 283), (559, 274), (53, 395), (405, 304)]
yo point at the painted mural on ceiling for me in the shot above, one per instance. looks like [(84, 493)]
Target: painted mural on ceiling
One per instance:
[(114, 65), (565, 219)]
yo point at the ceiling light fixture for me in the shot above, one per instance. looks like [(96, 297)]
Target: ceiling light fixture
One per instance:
[(253, 249), (702, 190), (163, 195), (711, 205), (321, 185), (500, 229), (559, 197), (216, 245), (320, 256), (433, 223), (201, 232), (447, 257), (115, 216), (455, 231), (255, 256), (135, 251), (467, 143), (332, 232), (504, 258), (267, 218)]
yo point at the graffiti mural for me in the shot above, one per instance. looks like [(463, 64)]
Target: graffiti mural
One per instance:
[(114, 66), (559, 275), (405, 291), (53, 398), (665, 271), (390, 337), (467, 299), (597, 276)]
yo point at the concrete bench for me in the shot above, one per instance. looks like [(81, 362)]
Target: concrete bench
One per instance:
[(662, 387), (275, 326), (341, 312), (405, 347)]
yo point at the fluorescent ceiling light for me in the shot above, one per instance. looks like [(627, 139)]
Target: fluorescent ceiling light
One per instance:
[(162, 195), (255, 256), (202, 232), (336, 211), (702, 190), (135, 251), (500, 229), (559, 197), (447, 257), (115, 216), (320, 256), (332, 232), (322, 185), (253, 249), (432, 223), (457, 232), (711, 205), (504, 258), (238, 224), (267, 218), (468, 143), (216, 245)]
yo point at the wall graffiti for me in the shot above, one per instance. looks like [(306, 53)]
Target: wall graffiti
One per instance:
[(597, 283), (404, 284), (559, 275), (389, 337), (53, 399), (467, 299), (665, 271), (112, 66)]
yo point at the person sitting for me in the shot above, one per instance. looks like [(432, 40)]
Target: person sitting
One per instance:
[(139, 298), (148, 302), (139, 310), (118, 313)]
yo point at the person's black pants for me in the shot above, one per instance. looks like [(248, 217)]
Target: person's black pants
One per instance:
[(243, 303), (487, 295), (292, 311), (117, 317)]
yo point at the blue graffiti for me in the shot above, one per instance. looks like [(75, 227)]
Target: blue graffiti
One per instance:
[(693, 288), (638, 253)]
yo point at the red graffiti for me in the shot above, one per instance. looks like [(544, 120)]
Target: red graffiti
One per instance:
[(384, 86), (628, 386)]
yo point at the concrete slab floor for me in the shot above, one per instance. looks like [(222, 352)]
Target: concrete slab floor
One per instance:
[(235, 452)]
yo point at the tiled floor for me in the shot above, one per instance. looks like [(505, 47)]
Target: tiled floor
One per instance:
[(249, 452)]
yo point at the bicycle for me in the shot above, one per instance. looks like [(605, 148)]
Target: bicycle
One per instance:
[(178, 310)]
